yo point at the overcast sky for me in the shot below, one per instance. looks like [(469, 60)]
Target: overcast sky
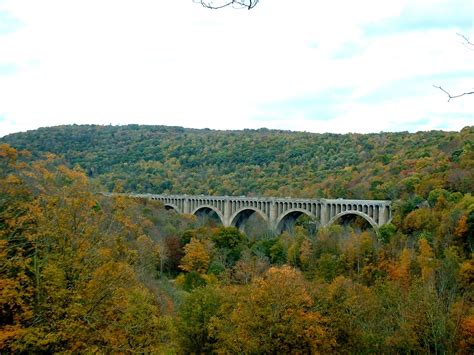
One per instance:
[(307, 65)]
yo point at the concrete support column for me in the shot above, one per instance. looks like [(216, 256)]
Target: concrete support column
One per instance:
[(382, 215), (273, 216), (324, 214), (227, 213), (186, 207)]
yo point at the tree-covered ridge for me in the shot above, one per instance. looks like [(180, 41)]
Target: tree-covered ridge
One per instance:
[(81, 272), (159, 159)]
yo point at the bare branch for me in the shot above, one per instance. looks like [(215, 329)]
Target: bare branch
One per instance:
[(467, 42), (453, 96), (219, 4), (465, 38), (469, 45)]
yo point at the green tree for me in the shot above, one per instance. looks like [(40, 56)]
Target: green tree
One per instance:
[(194, 320)]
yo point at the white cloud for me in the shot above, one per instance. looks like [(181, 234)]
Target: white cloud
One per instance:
[(176, 63)]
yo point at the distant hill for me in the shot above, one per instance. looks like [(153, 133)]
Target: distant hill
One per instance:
[(160, 159)]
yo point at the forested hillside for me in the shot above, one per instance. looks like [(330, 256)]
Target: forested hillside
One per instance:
[(81, 272), (160, 159)]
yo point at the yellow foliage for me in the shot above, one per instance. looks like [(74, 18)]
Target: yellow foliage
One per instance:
[(196, 257), (66, 262), (466, 274), (421, 219), (461, 227), (272, 315), (401, 270), (306, 253), (426, 259)]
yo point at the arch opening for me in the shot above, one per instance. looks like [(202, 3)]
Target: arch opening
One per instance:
[(171, 207), (208, 216), (354, 219), (250, 221), (297, 218)]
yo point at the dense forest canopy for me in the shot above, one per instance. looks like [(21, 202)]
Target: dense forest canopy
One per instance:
[(160, 159), (81, 272)]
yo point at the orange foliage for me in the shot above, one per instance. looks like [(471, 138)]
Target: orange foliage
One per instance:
[(461, 227), (426, 260), (466, 344), (401, 271)]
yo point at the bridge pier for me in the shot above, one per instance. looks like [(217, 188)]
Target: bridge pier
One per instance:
[(273, 217), (227, 214), (382, 215), (324, 214), (186, 207)]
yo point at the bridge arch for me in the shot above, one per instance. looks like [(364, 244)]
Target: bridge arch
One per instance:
[(289, 218), (170, 206), (240, 216), (207, 208), (357, 213)]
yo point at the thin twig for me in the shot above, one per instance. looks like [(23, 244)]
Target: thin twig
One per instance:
[(467, 41), (241, 3), (453, 96)]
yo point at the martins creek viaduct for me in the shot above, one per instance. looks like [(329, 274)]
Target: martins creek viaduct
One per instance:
[(277, 212)]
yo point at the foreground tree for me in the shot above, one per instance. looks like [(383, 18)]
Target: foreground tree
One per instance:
[(17, 222), (194, 320), (273, 314), (67, 278)]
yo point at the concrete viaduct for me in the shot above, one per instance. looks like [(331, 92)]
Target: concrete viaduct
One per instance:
[(278, 213)]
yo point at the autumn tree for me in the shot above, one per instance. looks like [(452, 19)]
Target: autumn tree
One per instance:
[(249, 267), (17, 224), (196, 256), (68, 276), (230, 242), (194, 320), (195, 262), (273, 314)]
